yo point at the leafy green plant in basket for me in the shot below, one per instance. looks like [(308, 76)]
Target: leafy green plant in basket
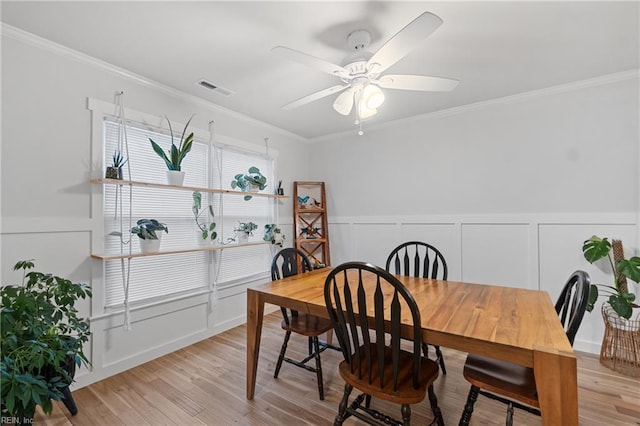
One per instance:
[(176, 153), (42, 341), (207, 229), (620, 298), (252, 181)]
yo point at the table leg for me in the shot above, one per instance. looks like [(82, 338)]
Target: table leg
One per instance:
[(255, 314), (556, 374)]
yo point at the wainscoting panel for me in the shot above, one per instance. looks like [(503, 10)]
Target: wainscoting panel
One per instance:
[(496, 253), (341, 239), (150, 333), (536, 251), (561, 254)]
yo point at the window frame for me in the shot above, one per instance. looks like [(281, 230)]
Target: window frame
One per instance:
[(99, 110)]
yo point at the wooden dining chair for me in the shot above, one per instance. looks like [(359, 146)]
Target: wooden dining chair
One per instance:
[(514, 384), (418, 259), (288, 262), (366, 305)]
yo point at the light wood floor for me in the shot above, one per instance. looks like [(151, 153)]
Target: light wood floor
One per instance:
[(205, 384)]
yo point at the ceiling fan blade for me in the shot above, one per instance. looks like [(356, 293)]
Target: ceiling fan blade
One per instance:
[(314, 96), (311, 61), (404, 42), (344, 102), (417, 82)]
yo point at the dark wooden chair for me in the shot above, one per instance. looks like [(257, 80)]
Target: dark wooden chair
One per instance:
[(374, 362), (418, 259), (514, 384), (288, 262)]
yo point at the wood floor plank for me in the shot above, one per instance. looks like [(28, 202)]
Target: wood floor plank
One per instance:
[(205, 384)]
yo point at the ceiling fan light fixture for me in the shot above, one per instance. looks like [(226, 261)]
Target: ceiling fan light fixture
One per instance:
[(364, 112), (372, 96)]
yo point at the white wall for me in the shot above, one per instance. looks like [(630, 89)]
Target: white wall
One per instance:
[(508, 189), (503, 187), (47, 161)]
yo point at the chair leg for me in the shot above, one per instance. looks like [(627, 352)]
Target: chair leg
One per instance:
[(316, 347), (342, 408), (509, 415), (310, 345), (468, 407), (367, 401), (440, 359), (283, 349), (406, 414), (425, 350), (437, 414)]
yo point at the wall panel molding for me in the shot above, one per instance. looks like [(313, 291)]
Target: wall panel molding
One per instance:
[(535, 251)]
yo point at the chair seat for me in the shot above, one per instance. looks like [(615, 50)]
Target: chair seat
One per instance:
[(405, 394), (511, 380), (307, 325)]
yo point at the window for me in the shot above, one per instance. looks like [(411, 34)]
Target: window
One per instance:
[(157, 277)]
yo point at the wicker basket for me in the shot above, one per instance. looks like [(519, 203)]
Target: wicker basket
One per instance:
[(621, 343)]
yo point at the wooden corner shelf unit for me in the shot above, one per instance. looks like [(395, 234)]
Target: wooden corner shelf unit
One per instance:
[(310, 221)]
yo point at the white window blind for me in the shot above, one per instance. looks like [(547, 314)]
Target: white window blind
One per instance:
[(156, 277), (252, 262)]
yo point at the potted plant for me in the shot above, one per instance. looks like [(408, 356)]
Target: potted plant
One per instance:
[(175, 175), (244, 230), (207, 231), (252, 181), (620, 298), (42, 341), (273, 234), (114, 171), (146, 229)]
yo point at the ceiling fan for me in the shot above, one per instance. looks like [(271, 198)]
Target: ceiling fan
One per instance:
[(362, 72)]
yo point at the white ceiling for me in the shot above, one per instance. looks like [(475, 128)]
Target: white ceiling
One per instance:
[(495, 49)]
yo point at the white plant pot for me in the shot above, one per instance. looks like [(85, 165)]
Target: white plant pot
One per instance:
[(175, 177), (151, 246), (242, 237)]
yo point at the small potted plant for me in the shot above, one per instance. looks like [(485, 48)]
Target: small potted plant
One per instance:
[(273, 234), (252, 181), (206, 231), (114, 171), (175, 175), (146, 229), (244, 230), (620, 298), (42, 340)]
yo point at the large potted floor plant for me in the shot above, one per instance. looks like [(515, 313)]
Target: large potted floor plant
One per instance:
[(42, 340), (620, 349)]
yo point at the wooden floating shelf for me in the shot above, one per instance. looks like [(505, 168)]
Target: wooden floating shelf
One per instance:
[(184, 188), (177, 251)]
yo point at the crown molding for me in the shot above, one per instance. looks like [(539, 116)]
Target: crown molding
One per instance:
[(520, 97), (58, 49)]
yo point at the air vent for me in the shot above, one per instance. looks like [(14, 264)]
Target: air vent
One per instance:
[(217, 89)]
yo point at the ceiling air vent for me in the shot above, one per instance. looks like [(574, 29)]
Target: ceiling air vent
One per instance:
[(217, 89)]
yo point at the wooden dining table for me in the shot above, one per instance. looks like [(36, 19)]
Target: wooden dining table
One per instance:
[(511, 324)]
